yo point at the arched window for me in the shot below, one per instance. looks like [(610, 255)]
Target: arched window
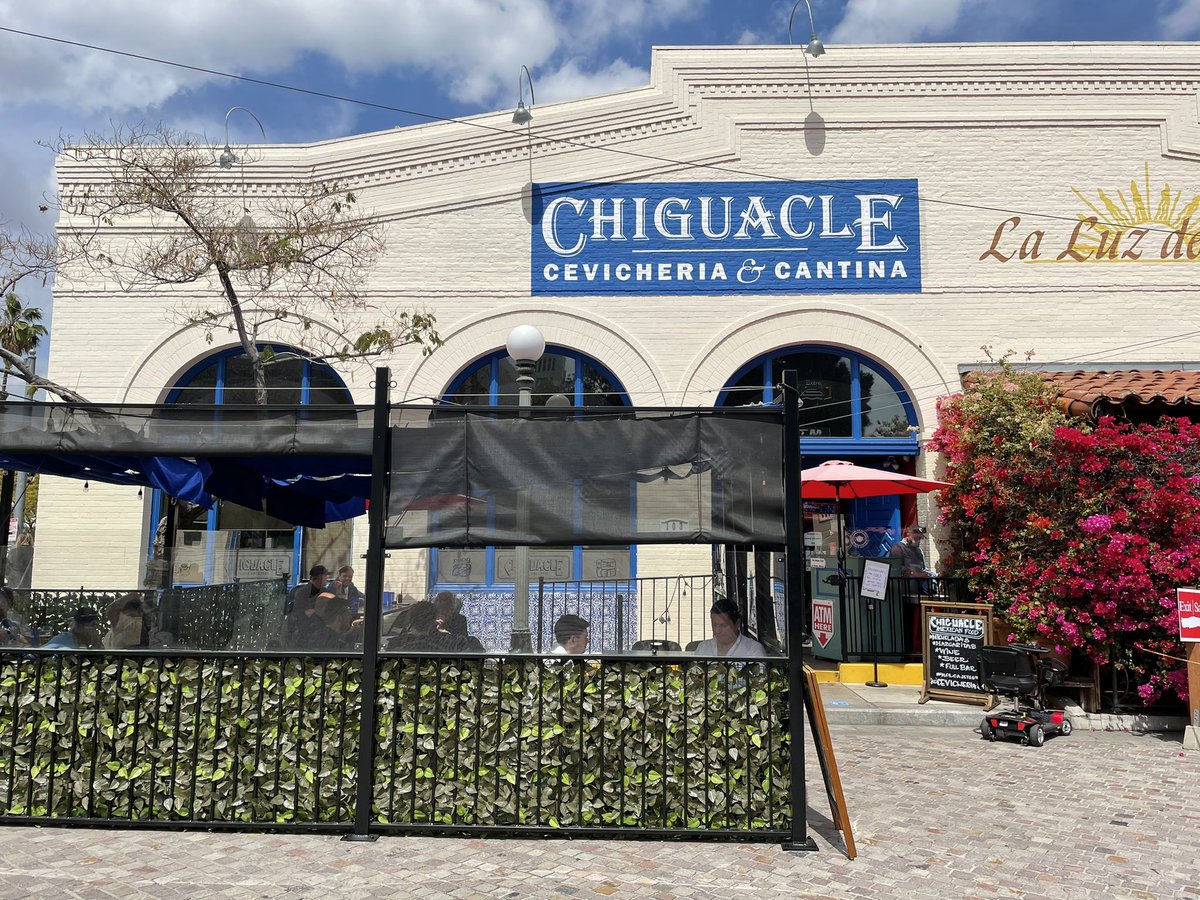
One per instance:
[(229, 542), (851, 408), (850, 403), (562, 378)]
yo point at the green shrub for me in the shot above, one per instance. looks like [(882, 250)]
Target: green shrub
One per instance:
[(555, 743), (223, 740), (567, 743)]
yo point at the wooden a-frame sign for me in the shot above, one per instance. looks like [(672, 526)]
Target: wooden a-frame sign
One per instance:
[(829, 770)]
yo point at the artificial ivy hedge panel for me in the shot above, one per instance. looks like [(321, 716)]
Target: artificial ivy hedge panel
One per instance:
[(583, 743), (230, 739)]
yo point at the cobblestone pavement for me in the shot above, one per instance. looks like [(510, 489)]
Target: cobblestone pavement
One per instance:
[(936, 813)]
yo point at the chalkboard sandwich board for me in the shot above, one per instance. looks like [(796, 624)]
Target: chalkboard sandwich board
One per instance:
[(952, 640)]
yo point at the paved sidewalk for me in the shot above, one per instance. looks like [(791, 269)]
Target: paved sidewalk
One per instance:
[(898, 704), (937, 813)]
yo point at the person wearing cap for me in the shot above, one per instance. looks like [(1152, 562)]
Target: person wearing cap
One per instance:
[(83, 634), (572, 634), (908, 551), (298, 605), (916, 584)]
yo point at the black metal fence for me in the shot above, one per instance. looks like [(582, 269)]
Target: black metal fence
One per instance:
[(891, 631), (242, 616), (610, 745), (46, 609), (617, 745), (623, 612), (168, 738)]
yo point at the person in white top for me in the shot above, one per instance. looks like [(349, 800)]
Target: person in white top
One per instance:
[(572, 635), (727, 639)]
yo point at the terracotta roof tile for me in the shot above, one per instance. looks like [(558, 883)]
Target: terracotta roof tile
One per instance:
[(1093, 394)]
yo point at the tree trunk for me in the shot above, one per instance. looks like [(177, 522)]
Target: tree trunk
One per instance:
[(247, 340), (260, 379)]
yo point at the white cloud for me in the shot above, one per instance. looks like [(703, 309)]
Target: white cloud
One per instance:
[(570, 80), (896, 21), (1181, 22), (595, 19), (469, 46)]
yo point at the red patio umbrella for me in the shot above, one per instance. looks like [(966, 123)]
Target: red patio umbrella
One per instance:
[(841, 480), (838, 480)]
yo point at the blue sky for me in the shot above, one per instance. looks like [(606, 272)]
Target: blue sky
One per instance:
[(443, 57)]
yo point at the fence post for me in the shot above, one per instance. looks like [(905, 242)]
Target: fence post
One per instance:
[(373, 605), (6, 502), (540, 614), (621, 623), (793, 535)]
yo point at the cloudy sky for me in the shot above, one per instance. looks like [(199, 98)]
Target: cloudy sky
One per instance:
[(442, 57)]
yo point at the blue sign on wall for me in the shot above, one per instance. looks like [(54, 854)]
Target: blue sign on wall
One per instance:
[(727, 237)]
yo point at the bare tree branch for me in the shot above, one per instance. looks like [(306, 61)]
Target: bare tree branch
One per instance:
[(156, 211), (24, 254), (22, 368)]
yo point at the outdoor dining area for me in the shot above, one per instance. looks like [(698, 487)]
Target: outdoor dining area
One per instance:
[(364, 739)]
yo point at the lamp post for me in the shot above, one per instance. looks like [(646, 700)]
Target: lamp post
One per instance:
[(814, 47), (246, 227), (523, 115), (525, 346), (18, 512)]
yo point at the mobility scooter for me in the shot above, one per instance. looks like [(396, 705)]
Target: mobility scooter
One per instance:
[(1022, 672)]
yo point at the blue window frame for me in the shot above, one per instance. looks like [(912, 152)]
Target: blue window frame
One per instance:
[(851, 405), (226, 378), (562, 377)]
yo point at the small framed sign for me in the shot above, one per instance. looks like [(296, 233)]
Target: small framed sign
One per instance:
[(874, 579)]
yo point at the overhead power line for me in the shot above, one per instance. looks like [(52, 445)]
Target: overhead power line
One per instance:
[(538, 139)]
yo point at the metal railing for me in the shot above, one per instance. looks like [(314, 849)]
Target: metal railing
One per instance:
[(622, 612), (609, 745), (243, 615), (892, 632), (183, 739), (635, 746)]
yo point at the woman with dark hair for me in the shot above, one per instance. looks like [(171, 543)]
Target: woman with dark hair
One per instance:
[(727, 639)]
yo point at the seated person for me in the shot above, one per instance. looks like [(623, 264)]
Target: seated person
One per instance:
[(13, 632), (448, 609), (727, 639), (424, 634), (329, 625), (345, 587), (83, 633), (572, 634), (299, 603), (127, 624)]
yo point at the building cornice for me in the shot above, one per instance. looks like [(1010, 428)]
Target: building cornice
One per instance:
[(701, 98)]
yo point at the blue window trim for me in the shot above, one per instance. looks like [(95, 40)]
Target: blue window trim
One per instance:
[(492, 361), (220, 359), (855, 444)]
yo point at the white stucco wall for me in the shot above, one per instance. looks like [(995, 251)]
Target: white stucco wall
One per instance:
[(987, 130)]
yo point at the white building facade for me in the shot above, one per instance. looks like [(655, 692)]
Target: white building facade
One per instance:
[(873, 218)]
